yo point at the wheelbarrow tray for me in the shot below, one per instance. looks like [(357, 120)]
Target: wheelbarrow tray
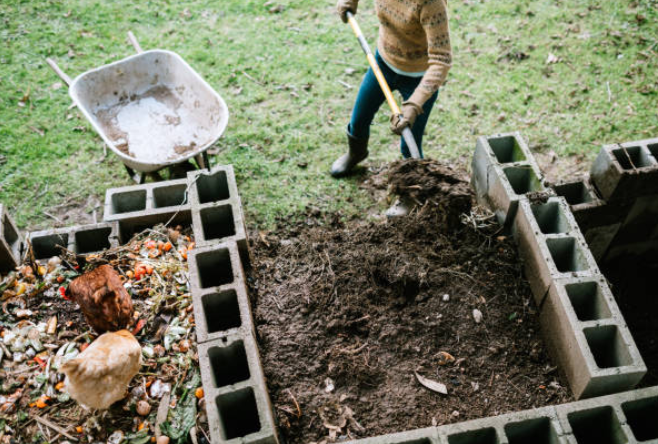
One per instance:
[(152, 109)]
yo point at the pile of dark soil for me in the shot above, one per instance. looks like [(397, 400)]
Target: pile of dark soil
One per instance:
[(349, 314), (633, 283)]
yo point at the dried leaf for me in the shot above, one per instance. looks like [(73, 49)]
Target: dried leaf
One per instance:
[(432, 385)]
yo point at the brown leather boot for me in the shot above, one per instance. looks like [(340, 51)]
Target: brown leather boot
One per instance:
[(358, 151)]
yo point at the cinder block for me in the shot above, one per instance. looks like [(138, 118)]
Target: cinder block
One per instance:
[(79, 239), (504, 169), (625, 171), (222, 311), (237, 402), (588, 337), (550, 244), (640, 408), (49, 243), (535, 426), (427, 435), (597, 219), (215, 186), (221, 222), (85, 239), (586, 206), (143, 206), (11, 242), (628, 417), (215, 266)]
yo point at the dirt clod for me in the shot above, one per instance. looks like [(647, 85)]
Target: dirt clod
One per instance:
[(362, 305)]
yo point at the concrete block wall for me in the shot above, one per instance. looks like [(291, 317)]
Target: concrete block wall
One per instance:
[(206, 200), (585, 330), (627, 417), (616, 207), (11, 242), (504, 169), (79, 239), (237, 400)]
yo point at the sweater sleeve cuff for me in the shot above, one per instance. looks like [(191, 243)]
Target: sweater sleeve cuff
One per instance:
[(420, 96)]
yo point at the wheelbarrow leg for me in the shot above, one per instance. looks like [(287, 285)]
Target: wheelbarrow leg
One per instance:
[(202, 160), (139, 178)]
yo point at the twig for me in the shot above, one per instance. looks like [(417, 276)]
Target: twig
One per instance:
[(345, 84), (55, 427), (294, 400), (57, 219), (252, 79), (607, 85), (185, 200)]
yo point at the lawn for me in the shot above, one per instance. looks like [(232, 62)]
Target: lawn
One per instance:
[(570, 75)]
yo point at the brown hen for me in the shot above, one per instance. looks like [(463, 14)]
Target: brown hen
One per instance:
[(102, 298)]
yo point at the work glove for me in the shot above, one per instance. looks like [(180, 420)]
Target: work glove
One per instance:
[(346, 5), (410, 111)]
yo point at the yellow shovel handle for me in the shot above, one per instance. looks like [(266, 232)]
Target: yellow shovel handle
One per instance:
[(373, 64)]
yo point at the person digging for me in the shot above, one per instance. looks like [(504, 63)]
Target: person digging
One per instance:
[(414, 55)]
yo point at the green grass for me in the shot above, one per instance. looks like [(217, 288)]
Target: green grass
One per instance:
[(280, 72)]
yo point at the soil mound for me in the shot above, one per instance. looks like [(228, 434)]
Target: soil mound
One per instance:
[(349, 314)]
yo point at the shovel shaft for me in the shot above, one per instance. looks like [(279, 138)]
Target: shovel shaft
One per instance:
[(408, 137), (406, 133), (373, 63)]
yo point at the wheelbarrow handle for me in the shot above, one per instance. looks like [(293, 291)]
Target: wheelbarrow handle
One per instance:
[(62, 75), (134, 42)]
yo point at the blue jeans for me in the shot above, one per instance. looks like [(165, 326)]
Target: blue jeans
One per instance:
[(371, 97)]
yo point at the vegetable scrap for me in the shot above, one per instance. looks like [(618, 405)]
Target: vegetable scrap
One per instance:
[(42, 328)]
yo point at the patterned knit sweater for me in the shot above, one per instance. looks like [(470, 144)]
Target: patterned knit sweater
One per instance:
[(414, 37)]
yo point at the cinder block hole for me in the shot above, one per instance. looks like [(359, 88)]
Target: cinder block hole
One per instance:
[(481, 436), (212, 187), (10, 235), (653, 149), (531, 431), (567, 254), (632, 157), (575, 193), (588, 301), (596, 426), (641, 417), (550, 218), (229, 364), (128, 228), (214, 268), (128, 201), (169, 196), (506, 149), (45, 247), (522, 179), (238, 413), (217, 222), (221, 310), (91, 241), (607, 346)]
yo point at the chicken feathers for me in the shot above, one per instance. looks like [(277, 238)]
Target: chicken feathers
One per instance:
[(102, 298), (99, 376)]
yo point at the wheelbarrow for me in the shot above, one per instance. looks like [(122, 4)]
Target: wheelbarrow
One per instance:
[(152, 109)]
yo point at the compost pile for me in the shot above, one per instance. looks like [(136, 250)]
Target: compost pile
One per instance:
[(367, 328), (40, 330)]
